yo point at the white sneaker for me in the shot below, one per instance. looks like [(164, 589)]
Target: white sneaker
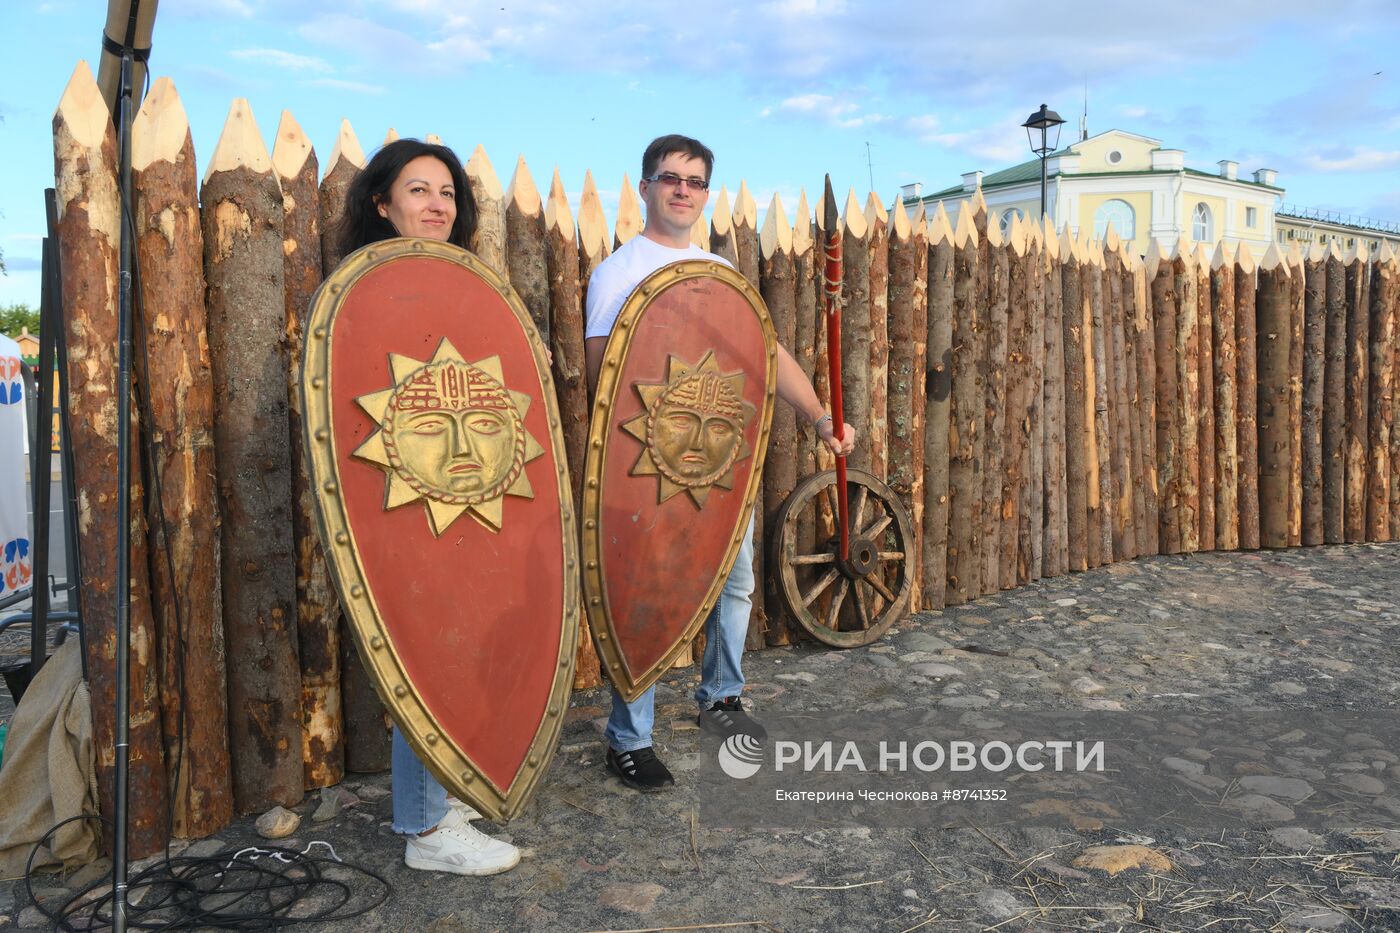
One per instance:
[(457, 847), (463, 809)]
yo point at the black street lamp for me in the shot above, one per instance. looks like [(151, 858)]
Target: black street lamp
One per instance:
[(1042, 122)]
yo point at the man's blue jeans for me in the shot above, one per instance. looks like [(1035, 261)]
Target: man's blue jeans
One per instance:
[(629, 725)]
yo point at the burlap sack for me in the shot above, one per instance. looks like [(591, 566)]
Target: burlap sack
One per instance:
[(48, 773)]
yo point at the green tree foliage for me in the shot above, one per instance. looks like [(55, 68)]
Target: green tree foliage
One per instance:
[(15, 316)]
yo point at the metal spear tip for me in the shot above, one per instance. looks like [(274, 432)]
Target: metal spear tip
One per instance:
[(830, 220)]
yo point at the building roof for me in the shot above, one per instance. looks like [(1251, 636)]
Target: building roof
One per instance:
[(1030, 171)]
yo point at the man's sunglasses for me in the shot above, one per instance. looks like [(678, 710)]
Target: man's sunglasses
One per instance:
[(672, 180)]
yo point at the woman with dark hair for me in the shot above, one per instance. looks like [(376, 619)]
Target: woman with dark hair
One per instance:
[(391, 197), (413, 188)]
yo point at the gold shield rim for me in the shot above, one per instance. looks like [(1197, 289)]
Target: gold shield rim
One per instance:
[(449, 763), (614, 666)]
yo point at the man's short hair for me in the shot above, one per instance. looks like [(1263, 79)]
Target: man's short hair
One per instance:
[(663, 146)]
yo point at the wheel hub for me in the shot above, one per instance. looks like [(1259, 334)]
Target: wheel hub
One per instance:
[(864, 557)]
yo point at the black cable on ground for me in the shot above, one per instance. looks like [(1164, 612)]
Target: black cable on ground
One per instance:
[(255, 888)]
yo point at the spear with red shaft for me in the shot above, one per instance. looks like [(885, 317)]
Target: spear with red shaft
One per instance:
[(831, 279)]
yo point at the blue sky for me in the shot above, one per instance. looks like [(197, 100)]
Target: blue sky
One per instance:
[(783, 90)]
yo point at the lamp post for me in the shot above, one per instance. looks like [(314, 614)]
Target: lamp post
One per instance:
[(1042, 122)]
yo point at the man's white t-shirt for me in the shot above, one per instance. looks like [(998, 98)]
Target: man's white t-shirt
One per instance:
[(613, 281)]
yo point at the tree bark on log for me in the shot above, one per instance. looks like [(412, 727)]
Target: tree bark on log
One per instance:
[(1055, 530), (1296, 311), (526, 255), (746, 253), (1314, 374), (808, 323), (364, 721), (174, 373), (1227, 457), (1016, 396), (908, 331), (1147, 387), (1382, 363), (345, 162), (855, 331), (489, 239), (1076, 420), (318, 607), (977, 211), (1168, 422), (1275, 332), (938, 383), (995, 327), (1032, 535), (1132, 348), (570, 384), (1334, 403), (594, 246), (778, 281), (1188, 388), (243, 267), (88, 239), (1358, 409), (1115, 344), (964, 560), (1205, 399), (1101, 466), (1247, 396), (877, 223)]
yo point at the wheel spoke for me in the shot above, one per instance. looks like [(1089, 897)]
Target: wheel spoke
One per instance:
[(822, 584), (880, 587), (862, 495), (820, 558), (861, 610), (833, 616), (879, 526), (890, 555)]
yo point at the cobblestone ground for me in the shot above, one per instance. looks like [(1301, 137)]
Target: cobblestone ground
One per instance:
[(1303, 629)]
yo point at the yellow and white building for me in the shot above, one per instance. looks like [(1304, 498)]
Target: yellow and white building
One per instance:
[(1145, 191)]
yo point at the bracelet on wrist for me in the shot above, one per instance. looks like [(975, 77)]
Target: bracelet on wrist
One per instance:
[(818, 423)]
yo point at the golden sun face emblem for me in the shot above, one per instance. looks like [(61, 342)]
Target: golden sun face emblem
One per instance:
[(692, 428), (450, 433)]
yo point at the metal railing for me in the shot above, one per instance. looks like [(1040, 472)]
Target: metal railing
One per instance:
[(1337, 217)]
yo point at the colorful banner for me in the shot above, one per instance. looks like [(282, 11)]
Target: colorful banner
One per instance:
[(15, 559)]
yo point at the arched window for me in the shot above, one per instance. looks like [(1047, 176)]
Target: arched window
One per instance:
[(1120, 214), (1006, 218), (1201, 227)]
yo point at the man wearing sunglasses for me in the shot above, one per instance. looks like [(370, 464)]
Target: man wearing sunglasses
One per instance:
[(675, 186)]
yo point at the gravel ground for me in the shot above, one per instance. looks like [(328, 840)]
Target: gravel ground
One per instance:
[(1305, 630)]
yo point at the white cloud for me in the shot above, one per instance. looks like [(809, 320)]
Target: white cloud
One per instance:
[(353, 86), (1359, 159), (840, 113), (996, 144), (1133, 111), (277, 58)]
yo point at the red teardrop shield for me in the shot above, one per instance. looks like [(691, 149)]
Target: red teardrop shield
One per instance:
[(675, 458), (445, 509)]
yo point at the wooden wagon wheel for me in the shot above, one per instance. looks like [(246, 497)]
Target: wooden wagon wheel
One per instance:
[(845, 603)]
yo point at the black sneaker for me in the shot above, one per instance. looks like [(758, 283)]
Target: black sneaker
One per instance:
[(640, 770), (727, 718)]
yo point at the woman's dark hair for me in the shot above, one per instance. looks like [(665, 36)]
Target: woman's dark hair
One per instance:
[(360, 223)]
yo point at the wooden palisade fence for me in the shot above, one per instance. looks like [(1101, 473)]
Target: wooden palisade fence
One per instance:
[(1040, 402)]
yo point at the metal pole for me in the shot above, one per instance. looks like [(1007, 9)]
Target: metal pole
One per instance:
[(73, 562), (123, 743), (1042, 175), (42, 470)]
